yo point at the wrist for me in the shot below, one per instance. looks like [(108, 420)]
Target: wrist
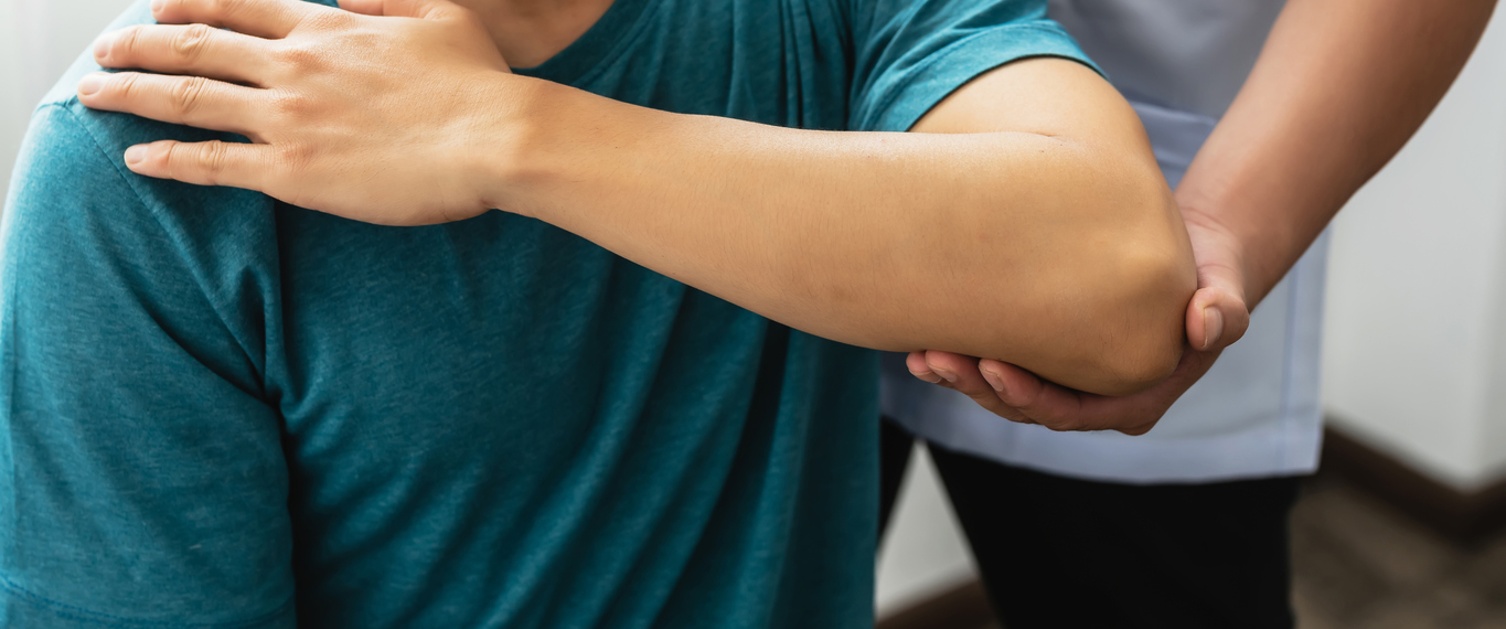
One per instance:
[(557, 153), (506, 150), (1245, 229), (1219, 251)]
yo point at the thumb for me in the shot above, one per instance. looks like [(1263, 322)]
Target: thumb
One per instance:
[(400, 8), (1217, 316)]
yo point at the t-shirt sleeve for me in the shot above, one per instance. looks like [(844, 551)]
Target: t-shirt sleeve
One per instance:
[(142, 481), (911, 54)]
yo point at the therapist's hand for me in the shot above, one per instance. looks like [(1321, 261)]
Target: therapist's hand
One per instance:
[(1216, 317), (363, 116)]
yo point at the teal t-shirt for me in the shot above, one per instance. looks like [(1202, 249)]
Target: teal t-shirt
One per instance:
[(217, 410)]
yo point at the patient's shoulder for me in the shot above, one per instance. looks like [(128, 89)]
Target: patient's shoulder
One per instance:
[(72, 165), (78, 222), (65, 134), (63, 130), (84, 241)]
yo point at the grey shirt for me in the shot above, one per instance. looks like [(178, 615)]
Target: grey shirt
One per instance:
[(1188, 55)]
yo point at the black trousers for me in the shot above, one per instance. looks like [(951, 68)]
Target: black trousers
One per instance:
[(1063, 553)]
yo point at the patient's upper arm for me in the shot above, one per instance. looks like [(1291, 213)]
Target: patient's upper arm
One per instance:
[(142, 473)]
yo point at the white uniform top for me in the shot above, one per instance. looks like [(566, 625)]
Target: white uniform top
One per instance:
[(1256, 413)]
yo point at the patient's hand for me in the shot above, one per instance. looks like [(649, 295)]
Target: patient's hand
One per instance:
[(1217, 316), (378, 118)]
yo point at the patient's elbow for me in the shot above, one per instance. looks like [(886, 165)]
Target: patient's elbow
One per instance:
[(1146, 351), (1146, 286)]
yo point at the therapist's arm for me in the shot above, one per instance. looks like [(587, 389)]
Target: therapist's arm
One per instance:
[(1339, 88), (1024, 218)]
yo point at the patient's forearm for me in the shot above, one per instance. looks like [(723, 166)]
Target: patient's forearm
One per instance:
[(1053, 253)]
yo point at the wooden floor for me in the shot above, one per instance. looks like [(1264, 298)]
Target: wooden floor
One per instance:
[(1359, 565)]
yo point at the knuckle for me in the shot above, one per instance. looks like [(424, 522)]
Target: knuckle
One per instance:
[(188, 93), (286, 105), (168, 156), (299, 59), (212, 157), (226, 8), (189, 42), (128, 40), (126, 84), (293, 156)]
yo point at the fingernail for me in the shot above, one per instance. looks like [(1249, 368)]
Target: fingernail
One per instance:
[(91, 83), (156, 6), (102, 47), (994, 379), (946, 374), (135, 154), (1213, 327)]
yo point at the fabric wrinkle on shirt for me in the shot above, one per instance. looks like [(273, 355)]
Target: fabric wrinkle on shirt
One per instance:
[(222, 411)]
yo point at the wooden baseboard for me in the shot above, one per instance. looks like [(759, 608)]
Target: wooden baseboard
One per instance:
[(962, 607), (1463, 517)]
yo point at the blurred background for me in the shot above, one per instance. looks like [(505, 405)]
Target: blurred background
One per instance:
[(1403, 527)]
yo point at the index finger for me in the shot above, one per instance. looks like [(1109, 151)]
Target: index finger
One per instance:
[(270, 19), (1065, 409), (1046, 403)]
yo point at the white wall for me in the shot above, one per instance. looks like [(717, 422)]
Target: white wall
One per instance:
[(1415, 360), (12, 91), (38, 39), (924, 552)]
